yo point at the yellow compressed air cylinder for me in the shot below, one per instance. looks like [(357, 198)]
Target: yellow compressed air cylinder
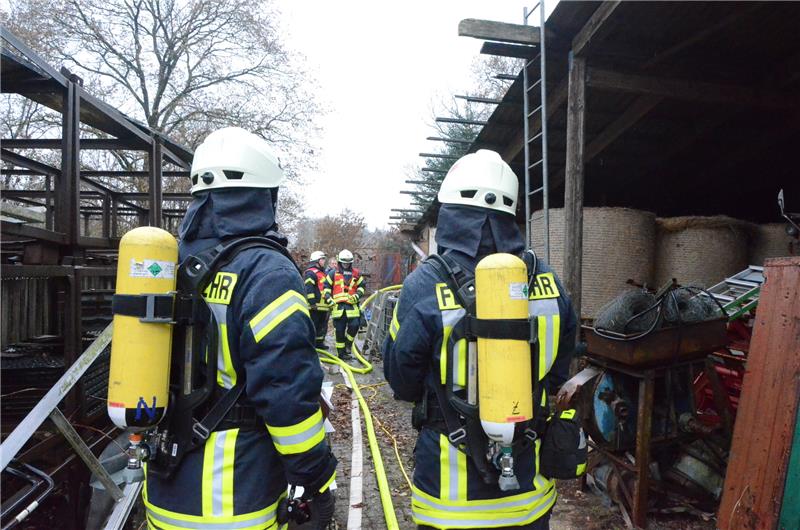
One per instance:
[(138, 385), (505, 395)]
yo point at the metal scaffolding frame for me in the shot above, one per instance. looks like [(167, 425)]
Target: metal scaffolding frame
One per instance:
[(51, 270)]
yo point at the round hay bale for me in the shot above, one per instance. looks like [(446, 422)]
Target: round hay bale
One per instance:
[(700, 251), (618, 245), (771, 241)]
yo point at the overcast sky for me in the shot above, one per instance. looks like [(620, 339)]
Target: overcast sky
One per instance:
[(379, 66)]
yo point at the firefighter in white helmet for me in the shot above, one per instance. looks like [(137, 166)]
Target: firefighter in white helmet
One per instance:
[(348, 287), (262, 346), (318, 294), (429, 346)]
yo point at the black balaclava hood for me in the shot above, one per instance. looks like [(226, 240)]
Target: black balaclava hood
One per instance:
[(219, 214), (477, 232)]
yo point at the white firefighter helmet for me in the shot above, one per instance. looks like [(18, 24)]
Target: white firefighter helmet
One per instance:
[(481, 179), (234, 158), (317, 255), (345, 256)]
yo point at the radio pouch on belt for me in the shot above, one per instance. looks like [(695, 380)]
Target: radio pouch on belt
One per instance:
[(563, 452)]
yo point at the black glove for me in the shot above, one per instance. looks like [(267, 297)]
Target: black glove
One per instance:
[(322, 509)]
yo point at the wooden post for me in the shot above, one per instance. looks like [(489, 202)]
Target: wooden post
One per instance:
[(155, 172), (573, 186), (67, 203), (106, 231)]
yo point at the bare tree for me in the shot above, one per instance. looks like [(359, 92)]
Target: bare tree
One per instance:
[(332, 234), (184, 67), (484, 84)]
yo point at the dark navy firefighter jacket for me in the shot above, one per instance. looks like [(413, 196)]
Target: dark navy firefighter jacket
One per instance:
[(267, 340), (426, 340)]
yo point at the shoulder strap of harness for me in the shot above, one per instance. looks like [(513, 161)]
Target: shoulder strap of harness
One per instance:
[(200, 270), (185, 431), (461, 418)]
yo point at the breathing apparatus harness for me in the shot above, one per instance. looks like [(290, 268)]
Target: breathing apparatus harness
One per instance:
[(193, 415), (461, 419)]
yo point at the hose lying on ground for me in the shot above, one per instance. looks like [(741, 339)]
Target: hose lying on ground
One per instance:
[(380, 471)]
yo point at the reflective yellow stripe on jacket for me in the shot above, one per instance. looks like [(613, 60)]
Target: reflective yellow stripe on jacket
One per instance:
[(276, 312), (300, 437), (217, 495)]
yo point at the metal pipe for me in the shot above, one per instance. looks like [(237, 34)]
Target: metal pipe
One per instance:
[(36, 502), (545, 176)]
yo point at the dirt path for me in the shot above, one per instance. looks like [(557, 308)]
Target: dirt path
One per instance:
[(574, 510)]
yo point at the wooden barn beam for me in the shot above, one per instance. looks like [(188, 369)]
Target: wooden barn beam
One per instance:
[(498, 31), (574, 180), (55, 143), (595, 28), (690, 90)]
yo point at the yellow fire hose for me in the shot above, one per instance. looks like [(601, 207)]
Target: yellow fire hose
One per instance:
[(380, 471)]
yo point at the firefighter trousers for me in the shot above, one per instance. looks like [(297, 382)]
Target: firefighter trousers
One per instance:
[(346, 330), (320, 320)]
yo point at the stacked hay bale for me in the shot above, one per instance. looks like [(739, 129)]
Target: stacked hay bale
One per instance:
[(771, 241), (618, 245), (701, 251)]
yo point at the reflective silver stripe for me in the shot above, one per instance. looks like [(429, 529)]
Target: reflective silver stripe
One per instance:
[(221, 315), (228, 525), (482, 507), (217, 468), (453, 459), (450, 318), (299, 438), (546, 308), (275, 313)]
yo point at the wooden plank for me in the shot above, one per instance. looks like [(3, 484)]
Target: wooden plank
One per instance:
[(595, 28), (574, 181), (498, 31), (764, 428), (690, 90), (27, 231), (501, 49), (22, 213)]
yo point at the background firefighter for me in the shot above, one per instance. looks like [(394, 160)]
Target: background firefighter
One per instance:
[(427, 341), (274, 435), (348, 288), (318, 294)]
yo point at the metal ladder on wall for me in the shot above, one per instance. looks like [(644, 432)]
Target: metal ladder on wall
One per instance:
[(739, 293), (530, 110)]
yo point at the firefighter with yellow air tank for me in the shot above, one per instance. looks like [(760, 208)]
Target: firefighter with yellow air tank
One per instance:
[(481, 334), (244, 419)]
